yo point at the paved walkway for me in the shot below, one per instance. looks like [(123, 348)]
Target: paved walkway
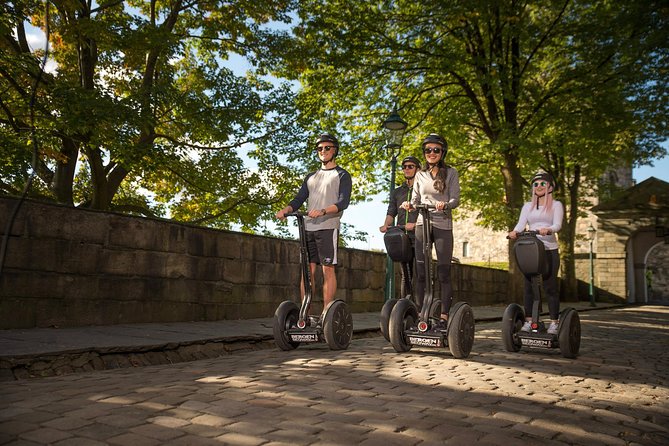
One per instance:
[(26, 353), (615, 394)]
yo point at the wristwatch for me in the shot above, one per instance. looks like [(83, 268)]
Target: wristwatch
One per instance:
[(323, 211)]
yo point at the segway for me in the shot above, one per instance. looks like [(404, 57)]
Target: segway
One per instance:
[(531, 258), (293, 325), (409, 326)]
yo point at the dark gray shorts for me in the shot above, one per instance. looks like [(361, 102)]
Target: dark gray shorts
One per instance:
[(322, 246)]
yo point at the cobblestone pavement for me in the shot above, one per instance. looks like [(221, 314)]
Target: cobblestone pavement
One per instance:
[(615, 393)]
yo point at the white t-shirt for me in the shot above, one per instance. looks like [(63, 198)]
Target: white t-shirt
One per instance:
[(537, 219)]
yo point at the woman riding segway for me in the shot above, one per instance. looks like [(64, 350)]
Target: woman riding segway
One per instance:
[(436, 191), (538, 258), (544, 215), (436, 184)]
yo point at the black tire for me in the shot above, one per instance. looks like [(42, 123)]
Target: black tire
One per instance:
[(569, 334), (285, 317), (384, 320), (461, 327), (403, 316), (338, 325), (512, 322)]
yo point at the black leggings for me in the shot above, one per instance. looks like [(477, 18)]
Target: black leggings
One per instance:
[(550, 287), (443, 244)]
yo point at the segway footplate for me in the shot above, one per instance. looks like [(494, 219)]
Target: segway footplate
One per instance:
[(304, 335), (425, 339), (539, 340)]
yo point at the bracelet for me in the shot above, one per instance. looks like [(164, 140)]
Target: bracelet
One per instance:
[(324, 212)]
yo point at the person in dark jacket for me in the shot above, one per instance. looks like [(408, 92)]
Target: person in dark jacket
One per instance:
[(405, 220)]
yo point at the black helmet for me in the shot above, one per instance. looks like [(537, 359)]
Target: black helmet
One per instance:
[(326, 137), (411, 159), (436, 139), (547, 177)]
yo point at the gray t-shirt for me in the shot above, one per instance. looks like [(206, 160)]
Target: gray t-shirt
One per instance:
[(425, 193), (324, 188)]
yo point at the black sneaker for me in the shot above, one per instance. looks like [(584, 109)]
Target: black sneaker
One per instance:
[(314, 321)]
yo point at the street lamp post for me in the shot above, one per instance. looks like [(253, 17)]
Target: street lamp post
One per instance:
[(591, 238), (394, 127)]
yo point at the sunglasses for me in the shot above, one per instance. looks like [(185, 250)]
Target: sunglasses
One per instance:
[(435, 150), (540, 183), (326, 148), (408, 166)]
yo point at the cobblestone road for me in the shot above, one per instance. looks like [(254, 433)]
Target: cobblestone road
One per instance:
[(615, 393)]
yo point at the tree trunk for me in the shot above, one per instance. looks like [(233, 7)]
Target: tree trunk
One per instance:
[(569, 288), (513, 185), (63, 179)]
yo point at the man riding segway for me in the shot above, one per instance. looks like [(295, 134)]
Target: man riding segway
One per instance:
[(400, 240), (328, 191)]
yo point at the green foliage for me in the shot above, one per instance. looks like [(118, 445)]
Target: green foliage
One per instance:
[(513, 86), (141, 104)]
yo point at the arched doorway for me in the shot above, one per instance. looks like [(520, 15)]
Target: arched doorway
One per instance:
[(657, 274), (638, 248)]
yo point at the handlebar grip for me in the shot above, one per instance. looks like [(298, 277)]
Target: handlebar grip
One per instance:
[(425, 206)]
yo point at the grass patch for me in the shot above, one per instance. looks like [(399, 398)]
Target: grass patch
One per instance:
[(495, 265)]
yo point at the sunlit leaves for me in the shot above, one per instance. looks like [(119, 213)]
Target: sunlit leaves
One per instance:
[(514, 86), (142, 98)]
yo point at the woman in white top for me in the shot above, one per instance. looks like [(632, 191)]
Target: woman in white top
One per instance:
[(436, 184), (543, 214)]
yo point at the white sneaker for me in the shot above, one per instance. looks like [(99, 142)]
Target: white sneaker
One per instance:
[(553, 328), (527, 326)]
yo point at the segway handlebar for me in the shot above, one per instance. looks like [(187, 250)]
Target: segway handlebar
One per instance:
[(396, 226), (528, 233), (429, 207), (295, 214)]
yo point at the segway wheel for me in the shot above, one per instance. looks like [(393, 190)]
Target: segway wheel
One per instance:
[(285, 317), (403, 316), (512, 322), (569, 334), (384, 320), (338, 325), (461, 329)]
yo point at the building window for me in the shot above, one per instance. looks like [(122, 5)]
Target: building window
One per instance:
[(465, 249)]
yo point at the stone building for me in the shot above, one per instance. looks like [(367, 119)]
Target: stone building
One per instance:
[(632, 244)]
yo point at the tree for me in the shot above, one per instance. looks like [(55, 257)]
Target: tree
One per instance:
[(514, 86), (141, 99)]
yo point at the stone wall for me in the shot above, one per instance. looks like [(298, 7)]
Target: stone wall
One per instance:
[(74, 267), (482, 244)]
